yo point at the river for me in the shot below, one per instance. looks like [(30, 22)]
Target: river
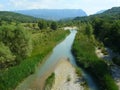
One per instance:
[(62, 50)]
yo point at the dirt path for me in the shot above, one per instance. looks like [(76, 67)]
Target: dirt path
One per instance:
[(65, 77)]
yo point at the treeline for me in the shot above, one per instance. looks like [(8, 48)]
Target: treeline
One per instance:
[(108, 32), (42, 24), (84, 51)]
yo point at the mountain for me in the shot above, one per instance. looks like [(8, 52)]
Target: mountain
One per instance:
[(101, 11), (12, 16), (54, 14), (111, 14), (115, 10)]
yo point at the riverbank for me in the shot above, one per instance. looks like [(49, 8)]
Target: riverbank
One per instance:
[(84, 52), (115, 70), (66, 77), (43, 43)]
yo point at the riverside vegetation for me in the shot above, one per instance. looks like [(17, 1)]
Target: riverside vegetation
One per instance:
[(22, 47), (84, 51), (49, 82)]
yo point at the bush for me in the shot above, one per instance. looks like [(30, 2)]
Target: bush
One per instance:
[(5, 56), (78, 71), (49, 82)]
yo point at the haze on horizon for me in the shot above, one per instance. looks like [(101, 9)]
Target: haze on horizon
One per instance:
[(89, 6)]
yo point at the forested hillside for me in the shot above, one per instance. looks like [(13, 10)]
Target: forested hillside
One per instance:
[(111, 14), (15, 17), (106, 27)]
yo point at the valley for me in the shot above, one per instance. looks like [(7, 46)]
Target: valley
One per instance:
[(59, 52)]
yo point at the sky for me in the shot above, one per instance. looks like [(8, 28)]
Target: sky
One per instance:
[(89, 6)]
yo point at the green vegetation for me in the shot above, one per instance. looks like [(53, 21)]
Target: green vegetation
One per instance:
[(27, 66), (54, 25), (84, 51), (83, 82), (17, 44), (78, 71), (42, 24), (25, 41), (106, 28), (49, 82), (22, 47), (6, 55), (16, 17), (108, 32), (111, 14)]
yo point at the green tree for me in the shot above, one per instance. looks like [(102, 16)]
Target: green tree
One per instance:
[(17, 39), (22, 45), (6, 55), (54, 26), (89, 30), (42, 24)]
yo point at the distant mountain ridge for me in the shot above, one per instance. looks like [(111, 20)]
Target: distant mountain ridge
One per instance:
[(101, 11), (53, 14)]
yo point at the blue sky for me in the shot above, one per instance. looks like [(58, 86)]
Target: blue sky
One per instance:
[(90, 6)]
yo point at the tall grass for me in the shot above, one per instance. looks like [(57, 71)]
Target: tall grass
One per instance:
[(84, 51), (12, 76)]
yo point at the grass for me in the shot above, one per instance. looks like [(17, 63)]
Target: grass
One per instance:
[(84, 51), (78, 71), (11, 77), (49, 82)]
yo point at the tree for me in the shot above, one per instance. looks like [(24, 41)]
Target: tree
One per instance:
[(17, 39), (6, 55), (88, 29), (54, 26), (97, 25), (22, 45), (42, 24)]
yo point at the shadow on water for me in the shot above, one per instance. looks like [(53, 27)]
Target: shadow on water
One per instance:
[(60, 51)]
